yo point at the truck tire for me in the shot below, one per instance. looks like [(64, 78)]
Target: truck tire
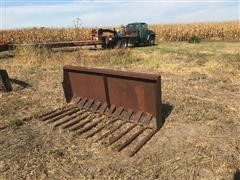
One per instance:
[(151, 41), (118, 44), (136, 44), (104, 46), (124, 43)]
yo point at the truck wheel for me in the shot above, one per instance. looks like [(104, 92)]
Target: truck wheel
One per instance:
[(104, 46), (119, 44), (136, 44), (151, 41), (124, 43)]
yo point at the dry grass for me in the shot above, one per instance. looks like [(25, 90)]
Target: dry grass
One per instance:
[(200, 139), (167, 32)]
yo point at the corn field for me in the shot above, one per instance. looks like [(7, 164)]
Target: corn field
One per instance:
[(35, 35), (167, 32), (206, 31)]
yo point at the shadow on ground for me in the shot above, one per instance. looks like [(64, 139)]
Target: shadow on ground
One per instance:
[(18, 84), (166, 111), (21, 84), (236, 175)]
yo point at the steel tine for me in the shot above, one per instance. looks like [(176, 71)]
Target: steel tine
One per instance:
[(62, 115), (48, 113), (126, 118), (111, 131), (56, 114), (116, 138), (73, 116), (140, 145), (134, 136), (95, 131), (95, 106), (147, 120), (128, 115), (76, 100), (82, 123), (102, 108), (88, 104), (90, 126), (75, 121), (110, 111), (101, 127), (116, 114), (82, 103), (137, 117)]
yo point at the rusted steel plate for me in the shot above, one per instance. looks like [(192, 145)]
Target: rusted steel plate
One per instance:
[(136, 91), (83, 85), (133, 94), (5, 84)]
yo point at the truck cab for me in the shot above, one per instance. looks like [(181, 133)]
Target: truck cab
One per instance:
[(138, 33)]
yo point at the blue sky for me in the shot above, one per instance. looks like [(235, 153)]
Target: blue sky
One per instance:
[(62, 13)]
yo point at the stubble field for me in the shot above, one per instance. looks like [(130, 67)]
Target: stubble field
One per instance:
[(199, 140)]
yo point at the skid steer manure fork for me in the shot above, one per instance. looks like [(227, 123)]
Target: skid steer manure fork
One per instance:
[(128, 102)]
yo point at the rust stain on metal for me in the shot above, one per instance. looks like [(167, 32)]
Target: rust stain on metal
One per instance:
[(98, 94)]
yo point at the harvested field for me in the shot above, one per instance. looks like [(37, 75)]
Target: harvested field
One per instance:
[(199, 140)]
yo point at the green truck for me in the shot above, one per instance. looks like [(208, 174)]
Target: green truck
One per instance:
[(135, 34), (138, 34)]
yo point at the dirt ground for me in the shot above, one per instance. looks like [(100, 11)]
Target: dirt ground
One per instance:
[(199, 140)]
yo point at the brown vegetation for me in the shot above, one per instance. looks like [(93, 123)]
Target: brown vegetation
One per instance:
[(171, 32)]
